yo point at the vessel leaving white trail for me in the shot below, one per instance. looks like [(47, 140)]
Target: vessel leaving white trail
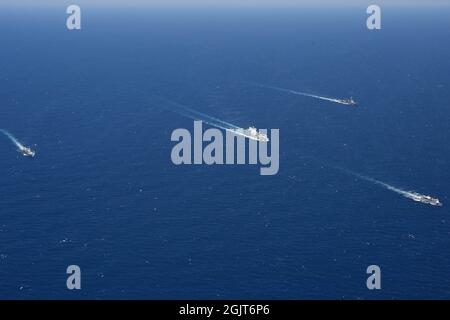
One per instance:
[(348, 102), (27, 152), (407, 194), (250, 133)]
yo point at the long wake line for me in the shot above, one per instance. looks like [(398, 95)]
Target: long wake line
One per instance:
[(407, 194), (27, 152), (196, 115), (340, 101), (183, 110), (13, 139)]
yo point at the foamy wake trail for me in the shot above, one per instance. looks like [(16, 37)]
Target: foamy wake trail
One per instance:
[(196, 115), (298, 93), (415, 196), (407, 194), (380, 183), (13, 139)]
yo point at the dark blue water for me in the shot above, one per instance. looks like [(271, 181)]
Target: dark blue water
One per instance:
[(103, 193)]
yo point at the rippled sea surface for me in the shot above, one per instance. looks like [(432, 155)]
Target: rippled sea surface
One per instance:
[(103, 194)]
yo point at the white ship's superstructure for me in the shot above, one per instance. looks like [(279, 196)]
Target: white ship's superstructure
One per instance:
[(251, 133), (27, 152), (424, 199)]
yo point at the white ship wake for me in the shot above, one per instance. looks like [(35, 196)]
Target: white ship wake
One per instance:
[(348, 102), (27, 152), (250, 133)]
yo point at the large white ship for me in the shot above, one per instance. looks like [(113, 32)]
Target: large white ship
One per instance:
[(27, 152), (348, 102), (424, 199), (251, 133)]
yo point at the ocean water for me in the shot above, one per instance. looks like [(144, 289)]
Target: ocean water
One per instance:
[(103, 194)]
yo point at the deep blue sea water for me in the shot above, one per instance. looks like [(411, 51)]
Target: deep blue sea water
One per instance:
[(103, 193)]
